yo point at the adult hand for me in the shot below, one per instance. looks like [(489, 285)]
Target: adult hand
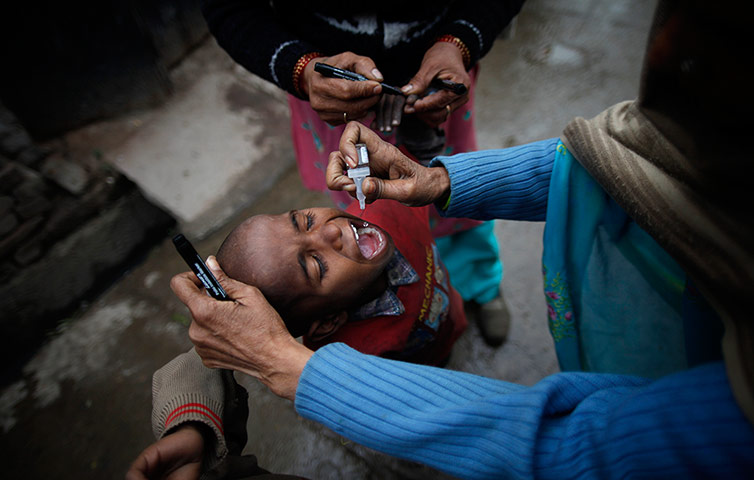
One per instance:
[(443, 60), (332, 97), (393, 175), (177, 456), (246, 335)]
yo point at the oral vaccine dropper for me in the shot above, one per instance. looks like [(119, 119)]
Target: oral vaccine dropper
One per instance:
[(360, 172)]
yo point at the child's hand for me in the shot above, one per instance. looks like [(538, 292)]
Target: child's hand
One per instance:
[(177, 456), (393, 175), (246, 335), (389, 112)]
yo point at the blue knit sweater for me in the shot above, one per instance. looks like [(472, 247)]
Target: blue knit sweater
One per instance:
[(569, 425)]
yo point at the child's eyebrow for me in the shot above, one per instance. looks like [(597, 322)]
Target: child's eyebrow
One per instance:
[(301, 259)]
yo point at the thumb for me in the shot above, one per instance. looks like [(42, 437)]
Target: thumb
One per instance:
[(418, 83), (233, 288), (399, 190)]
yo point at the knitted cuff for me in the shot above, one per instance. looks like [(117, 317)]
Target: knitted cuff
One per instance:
[(185, 390)]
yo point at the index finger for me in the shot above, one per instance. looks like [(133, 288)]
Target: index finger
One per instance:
[(348, 91), (348, 140), (336, 176), (355, 133), (366, 66)]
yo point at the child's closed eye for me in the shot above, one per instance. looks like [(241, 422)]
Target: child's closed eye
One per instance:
[(322, 266)]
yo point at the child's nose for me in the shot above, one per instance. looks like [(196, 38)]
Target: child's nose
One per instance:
[(331, 235)]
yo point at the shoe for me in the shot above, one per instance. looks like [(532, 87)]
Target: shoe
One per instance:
[(493, 319)]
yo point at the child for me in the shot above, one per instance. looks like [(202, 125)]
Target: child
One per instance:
[(334, 277)]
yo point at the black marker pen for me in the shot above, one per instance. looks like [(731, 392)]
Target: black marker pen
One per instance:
[(335, 72), (199, 268), (457, 88)]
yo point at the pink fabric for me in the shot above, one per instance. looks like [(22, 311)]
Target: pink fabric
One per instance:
[(314, 139)]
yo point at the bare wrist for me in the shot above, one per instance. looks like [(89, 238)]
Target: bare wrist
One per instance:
[(286, 368), (458, 43), (440, 179)]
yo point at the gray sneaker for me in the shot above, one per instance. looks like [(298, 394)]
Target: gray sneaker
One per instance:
[(493, 319)]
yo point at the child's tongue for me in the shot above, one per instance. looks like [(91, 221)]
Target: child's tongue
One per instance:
[(368, 243)]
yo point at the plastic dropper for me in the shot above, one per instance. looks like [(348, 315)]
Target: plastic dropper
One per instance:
[(360, 172)]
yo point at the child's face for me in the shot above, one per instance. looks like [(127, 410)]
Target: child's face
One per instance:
[(325, 259)]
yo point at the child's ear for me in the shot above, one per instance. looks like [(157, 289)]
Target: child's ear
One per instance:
[(325, 327)]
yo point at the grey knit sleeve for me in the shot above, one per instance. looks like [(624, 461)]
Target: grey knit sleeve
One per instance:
[(185, 390)]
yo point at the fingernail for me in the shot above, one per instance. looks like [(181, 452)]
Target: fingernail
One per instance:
[(376, 74), (350, 161), (410, 109), (407, 88), (377, 89), (212, 263)]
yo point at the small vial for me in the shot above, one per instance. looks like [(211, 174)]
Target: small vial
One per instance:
[(360, 172)]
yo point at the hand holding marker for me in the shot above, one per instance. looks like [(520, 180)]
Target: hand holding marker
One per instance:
[(335, 72), (200, 269)]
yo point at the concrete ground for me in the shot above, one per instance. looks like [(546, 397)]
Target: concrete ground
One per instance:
[(218, 152)]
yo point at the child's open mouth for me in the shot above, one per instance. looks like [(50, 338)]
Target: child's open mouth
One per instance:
[(370, 239)]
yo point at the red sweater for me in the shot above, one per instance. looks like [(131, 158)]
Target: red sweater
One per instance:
[(433, 318)]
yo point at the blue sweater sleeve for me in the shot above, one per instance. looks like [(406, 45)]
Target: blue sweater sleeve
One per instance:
[(569, 425), (509, 183)]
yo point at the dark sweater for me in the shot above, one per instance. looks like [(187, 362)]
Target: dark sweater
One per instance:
[(268, 37)]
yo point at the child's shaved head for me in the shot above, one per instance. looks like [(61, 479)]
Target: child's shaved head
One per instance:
[(309, 264)]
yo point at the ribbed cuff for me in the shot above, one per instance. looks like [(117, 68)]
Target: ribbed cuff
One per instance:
[(185, 390), (510, 183)]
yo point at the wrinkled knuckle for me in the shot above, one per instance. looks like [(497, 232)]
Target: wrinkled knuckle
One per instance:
[(315, 102), (194, 332), (198, 311)]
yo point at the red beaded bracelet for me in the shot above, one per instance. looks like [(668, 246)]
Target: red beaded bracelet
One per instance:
[(465, 52), (298, 69)]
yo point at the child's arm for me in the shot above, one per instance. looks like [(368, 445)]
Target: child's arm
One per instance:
[(199, 417), (185, 391)]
